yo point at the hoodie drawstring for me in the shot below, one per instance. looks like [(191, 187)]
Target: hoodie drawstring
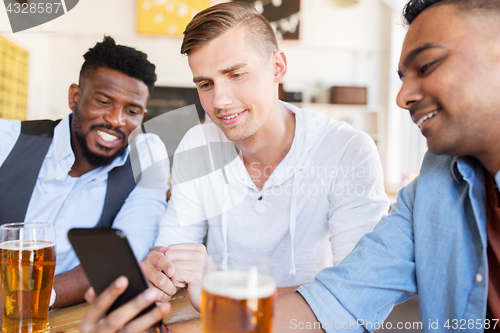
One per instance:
[(225, 208), (293, 223)]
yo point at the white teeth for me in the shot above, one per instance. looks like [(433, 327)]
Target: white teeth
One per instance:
[(231, 117), (430, 115), (107, 137)]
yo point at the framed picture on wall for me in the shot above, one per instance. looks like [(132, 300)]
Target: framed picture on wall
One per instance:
[(167, 17), (284, 16), (13, 80)]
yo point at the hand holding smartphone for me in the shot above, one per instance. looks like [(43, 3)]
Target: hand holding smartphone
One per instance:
[(105, 254)]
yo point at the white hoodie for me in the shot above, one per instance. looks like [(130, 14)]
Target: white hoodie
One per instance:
[(324, 195)]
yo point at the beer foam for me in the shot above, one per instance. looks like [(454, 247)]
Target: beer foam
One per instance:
[(26, 245), (239, 285)]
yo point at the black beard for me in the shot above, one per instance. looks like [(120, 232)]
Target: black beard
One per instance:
[(95, 160)]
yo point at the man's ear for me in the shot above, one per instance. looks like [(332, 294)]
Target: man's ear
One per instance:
[(279, 62), (74, 94)]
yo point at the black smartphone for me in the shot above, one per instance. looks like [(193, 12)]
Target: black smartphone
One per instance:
[(105, 254)]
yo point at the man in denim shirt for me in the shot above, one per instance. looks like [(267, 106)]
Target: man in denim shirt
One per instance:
[(440, 239), (435, 240)]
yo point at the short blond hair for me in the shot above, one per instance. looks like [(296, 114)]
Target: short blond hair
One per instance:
[(214, 21)]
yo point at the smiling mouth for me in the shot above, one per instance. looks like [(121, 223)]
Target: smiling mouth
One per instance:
[(231, 116), (430, 115), (106, 136)]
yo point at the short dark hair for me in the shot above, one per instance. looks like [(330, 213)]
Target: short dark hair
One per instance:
[(123, 59), (214, 21), (415, 7)]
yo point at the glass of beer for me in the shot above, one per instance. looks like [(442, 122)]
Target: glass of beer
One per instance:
[(27, 265), (239, 293)]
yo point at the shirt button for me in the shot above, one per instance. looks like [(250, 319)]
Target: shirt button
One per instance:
[(479, 278), (58, 178)]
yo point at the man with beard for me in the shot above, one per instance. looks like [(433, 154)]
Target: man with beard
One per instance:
[(76, 172)]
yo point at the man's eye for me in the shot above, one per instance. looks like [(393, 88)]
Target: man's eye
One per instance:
[(237, 75), (133, 111), (204, 86), (102, 102), (422, 70)]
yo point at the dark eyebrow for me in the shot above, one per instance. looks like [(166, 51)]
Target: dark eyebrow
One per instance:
[(222, 71), (103, 94), (134, 105), (414, 53)]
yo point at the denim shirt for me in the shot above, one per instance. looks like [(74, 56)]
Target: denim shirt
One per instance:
[(432, 243)]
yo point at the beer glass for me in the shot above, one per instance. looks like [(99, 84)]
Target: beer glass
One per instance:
[(27, 265), (239, 293)]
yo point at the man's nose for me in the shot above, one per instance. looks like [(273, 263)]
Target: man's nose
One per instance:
[(115, 117), (409, 94), (222, 96)]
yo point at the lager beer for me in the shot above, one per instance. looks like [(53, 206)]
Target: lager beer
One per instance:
[(237, 302), (26, 276)]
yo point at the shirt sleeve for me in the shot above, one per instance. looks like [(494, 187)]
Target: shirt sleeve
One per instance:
[(379, 273), (139, 218), (173, 230), (185, 220), (357, 196)]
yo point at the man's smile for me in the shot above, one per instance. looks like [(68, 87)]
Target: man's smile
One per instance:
[(105, 138), (420, 118)]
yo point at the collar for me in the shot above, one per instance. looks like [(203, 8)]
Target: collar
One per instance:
[(62, 142), (463, 166), (63, 152)]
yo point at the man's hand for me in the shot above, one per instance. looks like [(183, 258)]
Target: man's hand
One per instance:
[(188, 261), (155, 268), (174, 267), (95, 320)]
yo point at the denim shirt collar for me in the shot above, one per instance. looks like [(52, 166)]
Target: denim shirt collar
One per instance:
[(463, 167), (466, 164)]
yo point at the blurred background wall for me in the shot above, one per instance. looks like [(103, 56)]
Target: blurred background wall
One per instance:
[(356, 45)]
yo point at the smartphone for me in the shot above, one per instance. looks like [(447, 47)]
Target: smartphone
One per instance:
[(105, 254)]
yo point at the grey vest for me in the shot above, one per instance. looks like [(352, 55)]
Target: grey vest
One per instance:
[(19, 173)]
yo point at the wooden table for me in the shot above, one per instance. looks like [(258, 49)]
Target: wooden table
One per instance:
[(65, 320)]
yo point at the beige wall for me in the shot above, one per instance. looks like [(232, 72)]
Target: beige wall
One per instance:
[(338, 46), (357, 45)]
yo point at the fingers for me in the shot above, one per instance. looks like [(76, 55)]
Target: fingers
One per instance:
[(117, 319), (89, 295), (186, 246), (162, 262), (178, 252), (144, 322), (188, 272), (101, 304), (189, 260), (159, 280)]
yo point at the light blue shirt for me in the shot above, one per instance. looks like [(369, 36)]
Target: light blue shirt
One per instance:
[(432, 243), (71, 202)]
